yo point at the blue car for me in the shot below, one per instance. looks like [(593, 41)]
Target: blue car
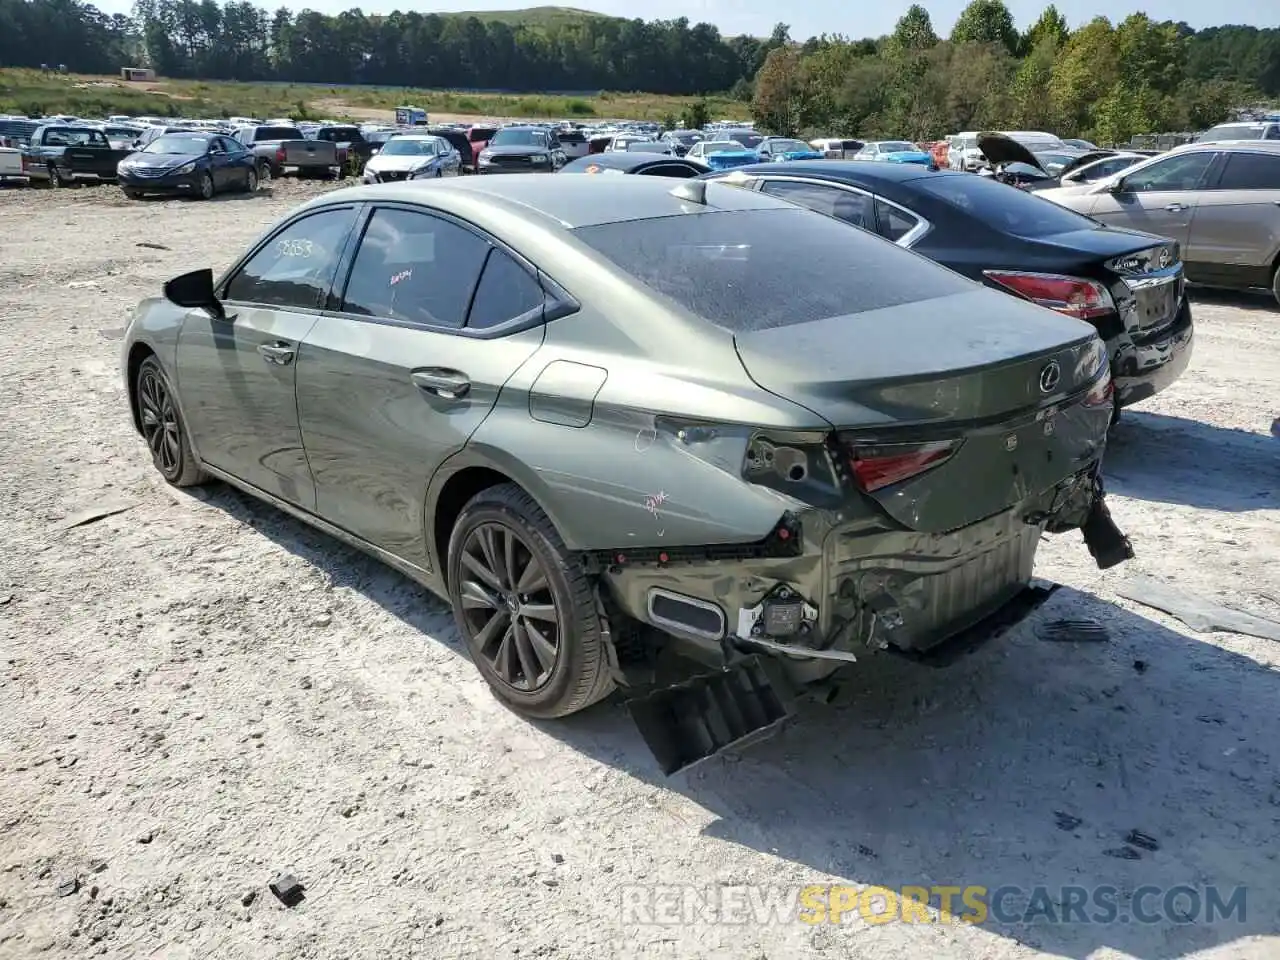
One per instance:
[(895, 151), (193, 163), (722, 154), (785, 148)]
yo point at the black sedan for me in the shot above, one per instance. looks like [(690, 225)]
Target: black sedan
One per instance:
[(1128, 285), (194, 164), (645, 164)]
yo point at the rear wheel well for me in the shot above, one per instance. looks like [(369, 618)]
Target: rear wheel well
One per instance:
[(458, 490), (137, 355)]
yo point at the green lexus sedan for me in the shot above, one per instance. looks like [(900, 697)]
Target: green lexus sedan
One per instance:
[(604, 416)]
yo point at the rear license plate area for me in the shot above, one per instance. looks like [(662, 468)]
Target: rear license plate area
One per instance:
[(1156, 304)]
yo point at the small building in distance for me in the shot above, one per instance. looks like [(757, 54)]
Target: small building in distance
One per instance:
[(137, 74)]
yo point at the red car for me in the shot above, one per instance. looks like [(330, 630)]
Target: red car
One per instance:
[(480, 137)]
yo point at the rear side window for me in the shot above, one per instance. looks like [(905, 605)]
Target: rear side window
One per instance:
[(757, 269), (893, 223), (415, 267), (1234, 131), (277, 133), (296, 267), (1251, 171), (506, 291), (1001, 206)]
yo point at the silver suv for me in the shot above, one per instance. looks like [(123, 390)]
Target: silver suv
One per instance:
[(1220, 201), (1242, 130)]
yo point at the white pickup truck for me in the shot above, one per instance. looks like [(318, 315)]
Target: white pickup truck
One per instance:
[(10, 162)]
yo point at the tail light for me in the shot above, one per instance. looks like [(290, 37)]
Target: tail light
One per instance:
[(280, 155), (877, 465), (1074, 296), (1103, 390)]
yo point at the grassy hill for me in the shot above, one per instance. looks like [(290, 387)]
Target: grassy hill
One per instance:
[(533, 17)]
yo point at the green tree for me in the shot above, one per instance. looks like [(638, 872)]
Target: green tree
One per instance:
[(914, 30), (986, 21), (1086, 71), (696, 115), (1052, 25), (1033, 104), (776, 104)]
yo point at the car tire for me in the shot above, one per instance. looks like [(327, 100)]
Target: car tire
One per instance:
[(251, 181), (511, 635), (265, 173), (56, 179), (1275, 282), (133, 194), (206, 189), (163, 428)]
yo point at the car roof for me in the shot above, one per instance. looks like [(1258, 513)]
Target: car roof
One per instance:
[(1262, 146), (850, 170), (568, 202)]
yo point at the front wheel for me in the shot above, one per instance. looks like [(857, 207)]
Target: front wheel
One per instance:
[(525, 609), (206, 186), (250, 180), (163, 427), (1275, 283), (56, 179)]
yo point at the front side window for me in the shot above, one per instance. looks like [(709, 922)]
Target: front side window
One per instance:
[(846, 205), (1185, 172), (1251, 171), (296, 266), (415, 267)]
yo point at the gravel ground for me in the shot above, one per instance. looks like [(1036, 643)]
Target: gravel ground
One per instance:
[(198, 693)]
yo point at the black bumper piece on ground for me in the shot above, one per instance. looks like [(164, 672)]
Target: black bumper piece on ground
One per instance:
[(707, 714)]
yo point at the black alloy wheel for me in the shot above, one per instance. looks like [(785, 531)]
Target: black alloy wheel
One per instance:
[(163, 429), (527, 611), (508, 607)]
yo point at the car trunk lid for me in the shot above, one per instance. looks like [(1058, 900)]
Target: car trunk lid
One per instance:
[(947, 410)]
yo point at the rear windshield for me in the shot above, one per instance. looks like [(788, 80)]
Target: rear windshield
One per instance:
[(1234, 131), (1002, 206), (758, 269)]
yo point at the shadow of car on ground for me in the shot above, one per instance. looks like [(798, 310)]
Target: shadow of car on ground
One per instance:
[(1024, 765), (1169, 459)]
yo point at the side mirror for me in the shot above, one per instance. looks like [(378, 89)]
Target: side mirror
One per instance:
[(1115, 186), (195, 289)]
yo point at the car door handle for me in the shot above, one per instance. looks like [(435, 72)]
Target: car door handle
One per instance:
[(279, 353), (1176, 207), (449, 384)]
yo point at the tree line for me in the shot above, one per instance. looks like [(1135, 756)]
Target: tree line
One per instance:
[(1103, 80)]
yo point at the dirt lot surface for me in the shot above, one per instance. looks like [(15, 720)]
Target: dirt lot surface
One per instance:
[(198, 693)]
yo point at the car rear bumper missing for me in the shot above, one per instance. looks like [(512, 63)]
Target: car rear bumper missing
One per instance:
[(841, 591)]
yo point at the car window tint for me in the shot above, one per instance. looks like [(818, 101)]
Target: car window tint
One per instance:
[(415, 267), (1002, 207), (296, 266), (894, 223), (505, 292), (1251, 171), (741, 269), (846, 205), (1183, 172)]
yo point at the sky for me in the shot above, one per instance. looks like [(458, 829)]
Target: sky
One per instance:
[(813, 17)]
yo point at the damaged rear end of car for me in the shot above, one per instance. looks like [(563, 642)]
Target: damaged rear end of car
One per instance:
[(944, 430)]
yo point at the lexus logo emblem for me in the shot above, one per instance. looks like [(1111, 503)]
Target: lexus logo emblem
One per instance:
[(1050, 376)]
